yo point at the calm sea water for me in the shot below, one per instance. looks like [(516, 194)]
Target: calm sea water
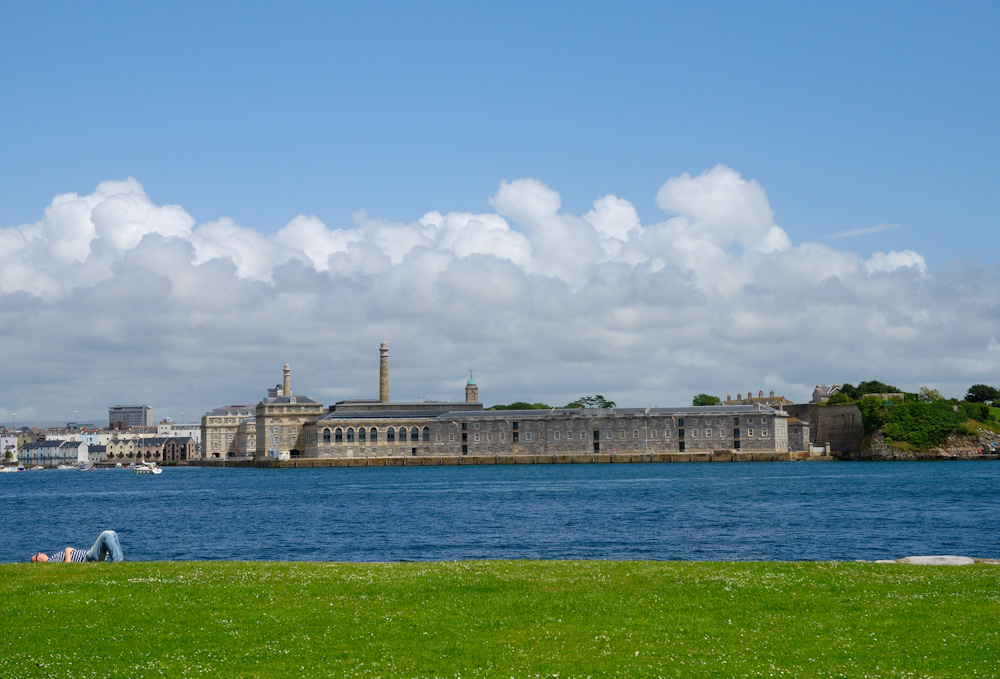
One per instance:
[(784, 511)]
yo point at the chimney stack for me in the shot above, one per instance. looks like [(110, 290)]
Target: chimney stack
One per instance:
[(383, 373)]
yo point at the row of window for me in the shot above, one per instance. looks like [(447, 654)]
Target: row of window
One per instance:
[(339, 435)]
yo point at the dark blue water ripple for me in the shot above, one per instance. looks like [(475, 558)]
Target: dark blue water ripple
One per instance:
[(785, 511)]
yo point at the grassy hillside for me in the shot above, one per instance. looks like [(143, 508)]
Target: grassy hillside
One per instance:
[(499, 619)]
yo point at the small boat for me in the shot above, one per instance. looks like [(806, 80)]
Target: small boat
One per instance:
[(146, 468), (8, 470), (66, 467)]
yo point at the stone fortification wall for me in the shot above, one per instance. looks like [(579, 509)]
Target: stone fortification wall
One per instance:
[(839, 425)]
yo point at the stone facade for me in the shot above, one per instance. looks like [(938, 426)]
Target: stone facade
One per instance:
[(279, 420), (229, 432), (441, 429), (838, 425)]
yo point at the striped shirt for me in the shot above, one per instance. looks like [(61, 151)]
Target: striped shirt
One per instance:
[(75, 555)]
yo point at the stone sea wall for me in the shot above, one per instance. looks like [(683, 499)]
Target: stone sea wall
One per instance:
[(566, 458)]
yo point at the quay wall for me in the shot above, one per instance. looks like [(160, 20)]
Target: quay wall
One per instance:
[(562, 458)]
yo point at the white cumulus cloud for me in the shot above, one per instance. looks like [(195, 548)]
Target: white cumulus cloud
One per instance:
[(109, 297)]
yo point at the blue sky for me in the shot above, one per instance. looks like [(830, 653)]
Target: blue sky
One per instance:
[(870, 126), (850, 115)]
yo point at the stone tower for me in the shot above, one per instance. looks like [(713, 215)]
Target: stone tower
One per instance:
[(383, 373), (286, 385), (471, 390)]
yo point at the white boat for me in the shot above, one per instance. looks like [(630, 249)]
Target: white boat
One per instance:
[(67, 467), (146, 468)]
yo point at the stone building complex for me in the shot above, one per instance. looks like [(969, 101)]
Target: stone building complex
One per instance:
[(288, 426)]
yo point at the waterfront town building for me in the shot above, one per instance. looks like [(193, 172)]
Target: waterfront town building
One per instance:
[(287, 426), (279, 421), (298, 427), (54, 453), (8, 447), (229, 432), (126, 417)]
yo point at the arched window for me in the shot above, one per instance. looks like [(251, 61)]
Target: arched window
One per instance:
[(338, 436), (361, 435), (326, 436), (390, 435), (414, 434), (350, 434), (374, 435), (427, 433)]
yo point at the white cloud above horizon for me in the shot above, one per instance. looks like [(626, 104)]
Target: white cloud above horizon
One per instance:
[(111, 298)]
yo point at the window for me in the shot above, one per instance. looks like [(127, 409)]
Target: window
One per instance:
[(527, 436), (556, 436), (666, 433), (763, 432), (749, 432), (326, 436), (477, 425), (414, 434), (465, 426), (680, 434), (361, 435), (652, 433), (621, 434), (635, 433), (451, 437), (437, 438), (583, 435), (350, 435), (736, 433), (373, 435), (489, 436), (475, 438), (736, 445), (708, 433), (680, 446), (427, 434), (503, 436), (609, 434), (390, 435), (339, 435), (515, 436), (694, 433), (736, 421), (680, 422)]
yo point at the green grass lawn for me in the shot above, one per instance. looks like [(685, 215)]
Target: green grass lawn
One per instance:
[(499, 619)]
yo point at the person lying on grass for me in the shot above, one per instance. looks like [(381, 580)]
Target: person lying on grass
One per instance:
[(107, 548)]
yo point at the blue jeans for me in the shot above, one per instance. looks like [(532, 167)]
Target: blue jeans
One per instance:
[(107, 548)]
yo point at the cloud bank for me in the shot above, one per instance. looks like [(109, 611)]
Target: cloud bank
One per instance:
[(111, 298)]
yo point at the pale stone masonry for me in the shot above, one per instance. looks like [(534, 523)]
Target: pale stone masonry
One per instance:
[(286, 426), (279, 420), (229, 432), (355, 429)]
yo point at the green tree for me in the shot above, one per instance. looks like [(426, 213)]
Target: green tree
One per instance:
[(705, 400), (982, 393), (872, 414), (597, 401), (868, 387), (521, 405), (928, 395), (839, 397)]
